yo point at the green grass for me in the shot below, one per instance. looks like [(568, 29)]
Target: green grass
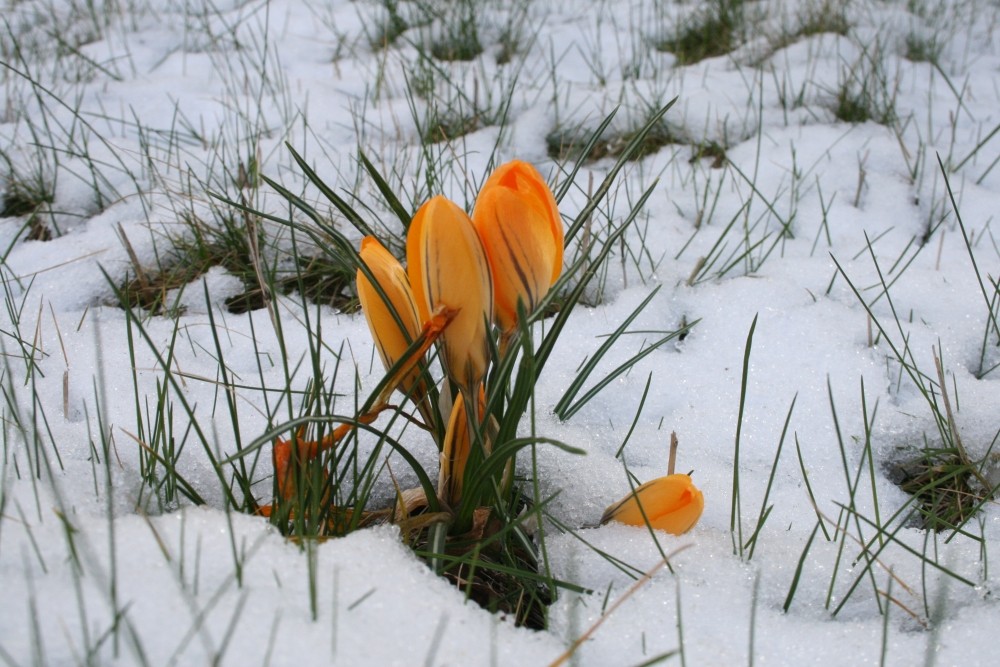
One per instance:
[(480, 544), (943, 486), (826, 16), (867, 91), (574, 144), (711, 32), (947, 487), (922, 49), (392, 27), (227, 242), (296, 257), (459, 39), (24, 199)]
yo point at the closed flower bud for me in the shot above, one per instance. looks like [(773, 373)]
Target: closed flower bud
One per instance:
[(517, 219), (672, 503), (392, 336), (454, 453), (448, 270), (458, 441)]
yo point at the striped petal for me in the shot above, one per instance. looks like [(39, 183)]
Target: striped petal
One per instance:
[(448, 270), (517, 218), (454, 453), (392, 336), (456, 448)]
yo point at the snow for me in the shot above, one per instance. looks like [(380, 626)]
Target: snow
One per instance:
[(170, 96)]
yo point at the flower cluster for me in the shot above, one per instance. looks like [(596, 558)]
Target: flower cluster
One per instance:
[(467, 283), (463, 276)]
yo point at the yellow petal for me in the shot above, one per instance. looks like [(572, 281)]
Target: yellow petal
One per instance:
[(672, 503), (448, 268), (517, 218), (392, 337)]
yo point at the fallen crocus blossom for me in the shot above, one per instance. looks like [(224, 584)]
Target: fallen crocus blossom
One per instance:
[(672, 503)]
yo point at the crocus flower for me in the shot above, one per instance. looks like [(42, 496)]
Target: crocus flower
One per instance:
[(448, 271), (392, 336), (454, 453), (672, 503), (517, 218), (458, 442)]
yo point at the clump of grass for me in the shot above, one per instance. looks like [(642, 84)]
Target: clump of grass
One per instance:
[(828, 16), (460, 39), (857, 106), (711, 32), (711, 150), (226, 242), (943, 485), (947, 484), (491, 572), (866, 92), (449, 124), (922, 49), (28, 198), (852, 106), (510, 41), (22, 199), (223, 242), (392, 28), (576, 143), (454, 106), (514, 36)]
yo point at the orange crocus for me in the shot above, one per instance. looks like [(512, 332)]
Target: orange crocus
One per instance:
[(672, 503), (455, 453), (518, 220), (449, 271), (392, 336)]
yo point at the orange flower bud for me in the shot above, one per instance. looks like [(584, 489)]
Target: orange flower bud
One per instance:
[(672, 503), (454, 453), (457, 445), (517, 218), (392, 337), (448, 270)]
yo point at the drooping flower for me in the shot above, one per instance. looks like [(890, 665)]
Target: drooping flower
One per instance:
[(672, 503), (392, 336), (518, 220), (448, 270)]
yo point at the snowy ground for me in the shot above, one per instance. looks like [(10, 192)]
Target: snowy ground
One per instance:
[(121, 110)]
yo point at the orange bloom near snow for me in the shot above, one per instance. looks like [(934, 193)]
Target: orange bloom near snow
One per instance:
[(455, 452), (518, 220), (392, 337), (448, 269), (672, 503)]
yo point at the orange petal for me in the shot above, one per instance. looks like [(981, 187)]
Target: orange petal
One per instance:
[(392, 336), (448, 268), (454, 453), (456, 448), (672, 503), (517, 218)]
